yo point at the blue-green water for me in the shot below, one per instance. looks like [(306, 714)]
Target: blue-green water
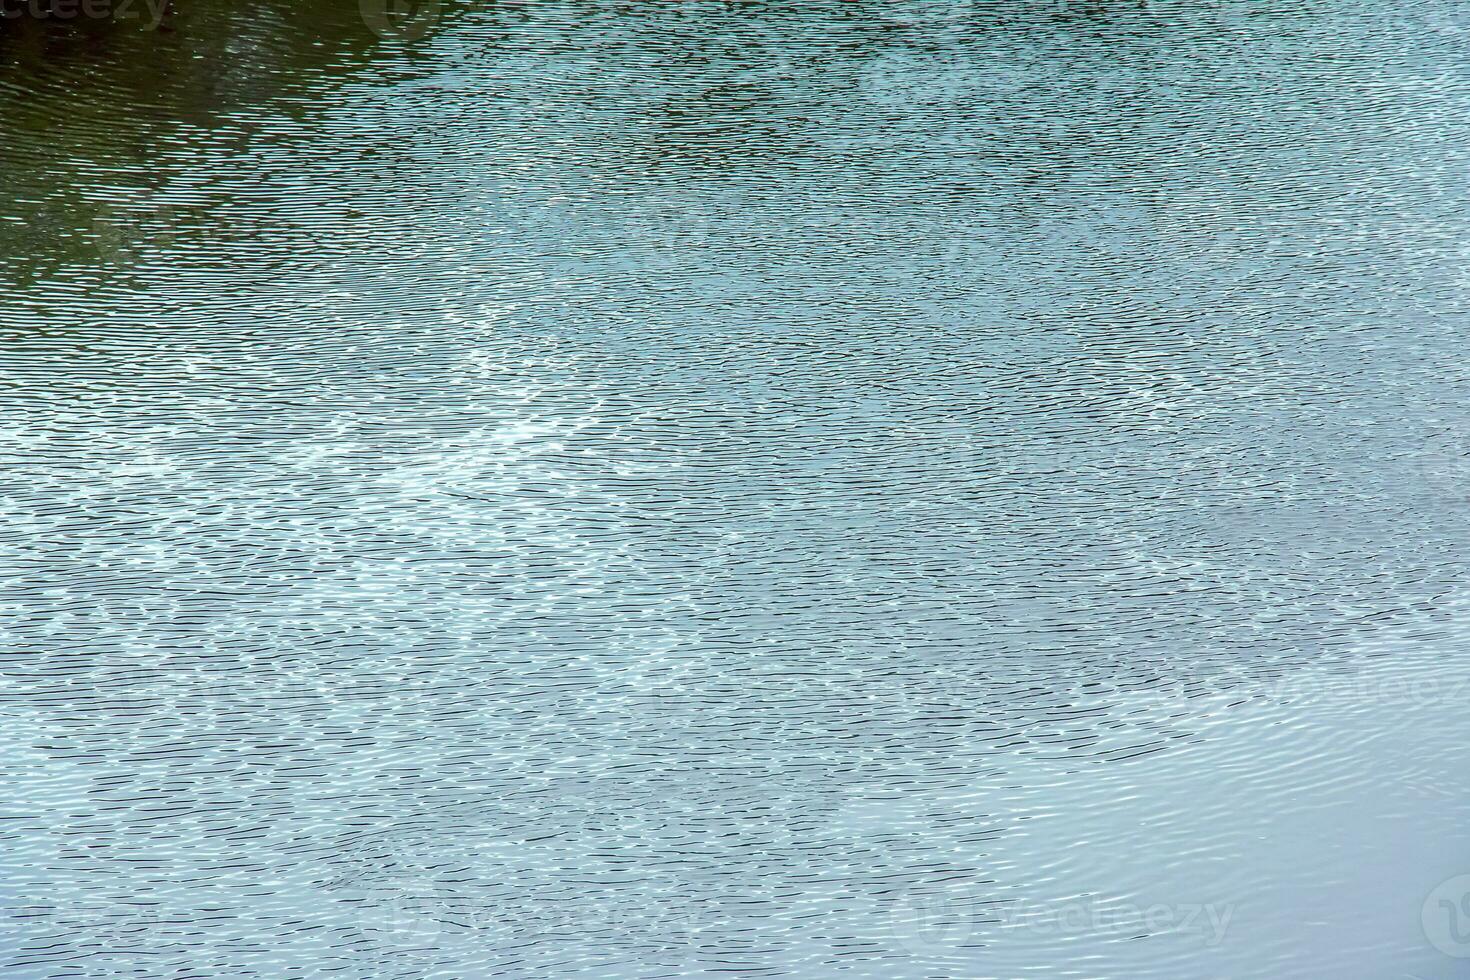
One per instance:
[(764, 489)]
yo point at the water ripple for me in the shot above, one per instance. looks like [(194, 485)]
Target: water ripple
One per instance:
[(890, 490)]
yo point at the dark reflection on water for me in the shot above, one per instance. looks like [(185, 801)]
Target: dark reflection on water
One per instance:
[(890, 490)]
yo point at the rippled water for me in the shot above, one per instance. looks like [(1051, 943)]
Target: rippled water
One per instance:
[(810, 489)]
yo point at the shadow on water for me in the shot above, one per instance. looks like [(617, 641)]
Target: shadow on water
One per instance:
[(104, 110), (105, 103)]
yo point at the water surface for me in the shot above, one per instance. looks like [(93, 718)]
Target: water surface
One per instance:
[(784, 489)]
